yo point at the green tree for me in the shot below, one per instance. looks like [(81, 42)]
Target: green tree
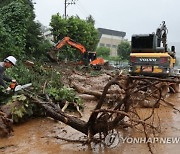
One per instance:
[(36, 45), (90, 19), (103, 51), (124, 50), (14, 16), (22, 35), (58, 27), (7, 44), (77, 29), (4, 2)]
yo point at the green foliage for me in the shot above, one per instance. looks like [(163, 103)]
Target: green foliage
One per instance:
[(20, 107), (38, 75), (45, 80), (69, 53), (59, 27), (19, 34), (79, 30), (65, 93), (15, 16), (21, 73), (7, 44), (90, 19), (103, 51), (4, 2), (35, 44), (124, 50), (117, 58), (21, 37)]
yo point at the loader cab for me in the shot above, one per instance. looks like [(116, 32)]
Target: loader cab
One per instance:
[(149, 57), (145, 43)]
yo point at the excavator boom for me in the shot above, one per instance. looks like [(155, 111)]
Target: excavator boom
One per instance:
[(90, 56), (68, 40)]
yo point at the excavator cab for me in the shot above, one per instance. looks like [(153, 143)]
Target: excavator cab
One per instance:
[(91, 56)]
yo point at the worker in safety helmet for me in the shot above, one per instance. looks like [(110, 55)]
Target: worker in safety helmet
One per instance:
[(7, 63)]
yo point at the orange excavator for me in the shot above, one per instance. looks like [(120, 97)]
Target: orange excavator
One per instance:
[(89, 57)]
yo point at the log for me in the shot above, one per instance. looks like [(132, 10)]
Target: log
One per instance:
[(172, 80), (5, 125), (94, 93), (87, 97), (96, 123), (56, 113), (6, 122), (82, 90)]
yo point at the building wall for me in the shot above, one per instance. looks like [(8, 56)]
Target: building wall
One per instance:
[(111, 42), (49, 36)]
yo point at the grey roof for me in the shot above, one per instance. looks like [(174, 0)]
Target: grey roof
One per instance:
[(111, 32)]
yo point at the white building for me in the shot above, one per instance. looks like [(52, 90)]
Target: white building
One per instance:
[(48, 35), (110, 39)]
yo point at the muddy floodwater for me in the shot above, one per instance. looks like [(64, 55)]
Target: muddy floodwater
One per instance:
[(38, 136)]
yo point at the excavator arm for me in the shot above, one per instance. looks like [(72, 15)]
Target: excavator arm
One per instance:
[(66, 40), (69, 41), (161, 33), (87, 56)]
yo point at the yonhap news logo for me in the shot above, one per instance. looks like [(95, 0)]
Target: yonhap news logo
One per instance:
[(113, 139), (153, 140)]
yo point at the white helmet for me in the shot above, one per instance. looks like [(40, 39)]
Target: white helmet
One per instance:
[(11, 59)]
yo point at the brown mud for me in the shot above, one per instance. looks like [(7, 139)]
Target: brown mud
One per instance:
[(39, 135)]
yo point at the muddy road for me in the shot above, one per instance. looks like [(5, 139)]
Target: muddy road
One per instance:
[(38, 136)]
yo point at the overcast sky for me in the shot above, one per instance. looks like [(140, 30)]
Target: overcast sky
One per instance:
[(130, 16)]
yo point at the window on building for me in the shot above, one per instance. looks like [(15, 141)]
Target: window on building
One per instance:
[(101, 45), (108, 45), (114, 46)]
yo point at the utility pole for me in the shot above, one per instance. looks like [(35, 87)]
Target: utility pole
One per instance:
[(66, 5)]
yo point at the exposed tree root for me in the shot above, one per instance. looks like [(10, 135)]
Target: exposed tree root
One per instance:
[(116, 103)]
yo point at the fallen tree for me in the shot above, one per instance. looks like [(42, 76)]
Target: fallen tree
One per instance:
[(6, 125), (102, 122), (111, 111)]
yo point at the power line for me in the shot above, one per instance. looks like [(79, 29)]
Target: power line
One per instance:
[(66, 4), (87, 11)]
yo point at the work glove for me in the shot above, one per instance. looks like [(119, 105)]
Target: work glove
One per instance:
[(13, 84), (8, 89)]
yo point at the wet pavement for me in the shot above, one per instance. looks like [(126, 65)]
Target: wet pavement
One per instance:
[(37, 136)]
